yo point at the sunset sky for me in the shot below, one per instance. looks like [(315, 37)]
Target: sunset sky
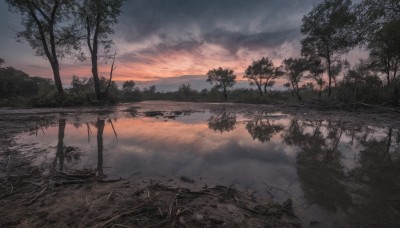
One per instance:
[(158, 39)]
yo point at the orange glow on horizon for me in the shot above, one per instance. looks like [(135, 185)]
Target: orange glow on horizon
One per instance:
[(149, 67)]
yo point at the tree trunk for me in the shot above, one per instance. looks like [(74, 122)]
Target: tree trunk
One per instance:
[(95, 74), (320, 92), (57, 78), (329, 77), (295, 89), (225, 96), (259, 89)]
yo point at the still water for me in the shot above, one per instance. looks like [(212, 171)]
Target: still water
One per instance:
[(337, 174)]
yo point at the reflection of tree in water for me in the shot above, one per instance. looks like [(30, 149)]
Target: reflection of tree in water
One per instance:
[(262, 129), (378, 174), (319, 163), (64, 153), (100, 129), (222, 121), (100, 124)]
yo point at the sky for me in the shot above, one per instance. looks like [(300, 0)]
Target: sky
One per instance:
[(158, 41)]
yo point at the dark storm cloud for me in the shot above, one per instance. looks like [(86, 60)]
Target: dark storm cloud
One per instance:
[(231, 24), (145, 55), (232, 41)]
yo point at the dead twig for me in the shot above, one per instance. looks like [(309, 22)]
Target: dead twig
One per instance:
[(34, 198), (123, 214)]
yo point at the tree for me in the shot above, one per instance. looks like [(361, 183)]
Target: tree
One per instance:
[(97, 18), (294, 70), (374, 13), (47, 30), (384, 47), (316, 70), (128, 86), (329, 30), (2, 62), (361, 84), (260, 73), (224, 79), (79, 85)]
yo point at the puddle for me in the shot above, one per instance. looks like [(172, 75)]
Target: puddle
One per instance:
[(336, 173)]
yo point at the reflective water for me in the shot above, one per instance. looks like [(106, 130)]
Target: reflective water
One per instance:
[(338, 174)]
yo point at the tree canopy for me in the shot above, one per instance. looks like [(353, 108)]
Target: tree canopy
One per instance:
[(223, 79), (261, 73)]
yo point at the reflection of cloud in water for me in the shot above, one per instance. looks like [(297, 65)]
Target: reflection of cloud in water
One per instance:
[(316, 163), (194, 149)]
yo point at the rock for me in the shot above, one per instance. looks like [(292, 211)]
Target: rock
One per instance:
[(186, 179)]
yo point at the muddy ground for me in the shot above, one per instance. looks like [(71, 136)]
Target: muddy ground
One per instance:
[(36, 196)]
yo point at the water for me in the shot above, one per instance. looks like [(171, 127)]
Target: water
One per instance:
[(338, 174)]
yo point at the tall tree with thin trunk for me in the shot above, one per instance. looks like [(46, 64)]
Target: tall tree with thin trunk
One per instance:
[(97, 18), (329, 30), (47, 30)]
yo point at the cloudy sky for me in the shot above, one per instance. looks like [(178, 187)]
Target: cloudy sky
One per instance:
[(158, 39)]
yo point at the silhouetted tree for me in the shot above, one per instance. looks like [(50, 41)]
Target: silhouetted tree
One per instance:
[(2, 61), (97, 18), (128, 86), (261, 73), (329, 33), (224, 79), (362, 84), (294, 70), (316, 70), (384, 49), (47, 30)]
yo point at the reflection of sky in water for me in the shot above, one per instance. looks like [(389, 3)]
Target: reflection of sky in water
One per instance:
[(190, 146)]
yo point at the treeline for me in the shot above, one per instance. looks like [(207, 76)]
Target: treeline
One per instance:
[(331, 29), (19, 89)]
